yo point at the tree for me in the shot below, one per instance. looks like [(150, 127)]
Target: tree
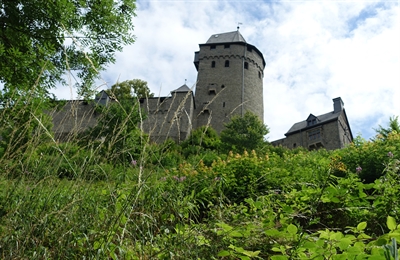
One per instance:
[(244, 133), (117, 127), (129, 89), (201, 139), (41, 40), (394, 126)]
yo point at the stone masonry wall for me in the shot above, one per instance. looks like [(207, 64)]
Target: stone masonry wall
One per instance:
[(219, 88)]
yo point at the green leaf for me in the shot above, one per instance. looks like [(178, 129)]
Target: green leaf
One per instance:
[(224, 253), (361, 226), (292, 229), (391, 223), (235, 234), (279, 257), (344, 243), (251, 253)]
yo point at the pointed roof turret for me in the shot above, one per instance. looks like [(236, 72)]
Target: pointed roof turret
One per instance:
[(182, 89), (228, 37)]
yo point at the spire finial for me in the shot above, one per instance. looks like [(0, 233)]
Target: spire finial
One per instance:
[(238, 27), (185, 81)]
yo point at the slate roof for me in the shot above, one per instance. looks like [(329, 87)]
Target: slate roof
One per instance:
[(322, 119), (183, 88), (234, 36)]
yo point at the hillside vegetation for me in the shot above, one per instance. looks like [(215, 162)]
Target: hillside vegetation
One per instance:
[(123, 197)]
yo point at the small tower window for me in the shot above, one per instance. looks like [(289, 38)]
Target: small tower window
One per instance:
[(222, 86), (213, 64), (227, 46), (212, 47), (246, 65), (226, 63), (223, 104), (249, 49), (212, 89), (259, 75)]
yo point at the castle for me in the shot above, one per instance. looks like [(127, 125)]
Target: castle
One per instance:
[(229, 82)]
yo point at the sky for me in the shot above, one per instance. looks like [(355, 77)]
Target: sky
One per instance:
[(315, 51)]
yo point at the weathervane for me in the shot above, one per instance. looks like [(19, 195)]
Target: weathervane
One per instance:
[(238, 26)]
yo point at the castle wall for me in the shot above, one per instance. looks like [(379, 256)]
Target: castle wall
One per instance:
[(168, 117), (73, 118)]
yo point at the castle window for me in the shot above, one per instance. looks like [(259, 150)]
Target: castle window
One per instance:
[(311, 122), (212, 47), (212, 89), (223, 104), (213, 64), (222, 86), (226, 63), (246, 65), (259, 75), (314, 135), (206, 111), (227, 46), (249, 49)]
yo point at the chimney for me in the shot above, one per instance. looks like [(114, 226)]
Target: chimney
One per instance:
[(337, 105)]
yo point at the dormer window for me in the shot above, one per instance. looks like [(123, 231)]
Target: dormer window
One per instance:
[(311, 122)]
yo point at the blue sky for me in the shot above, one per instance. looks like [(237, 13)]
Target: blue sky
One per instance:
[(314, 51)]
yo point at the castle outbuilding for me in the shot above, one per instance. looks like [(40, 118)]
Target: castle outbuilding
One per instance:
[(330, 131)]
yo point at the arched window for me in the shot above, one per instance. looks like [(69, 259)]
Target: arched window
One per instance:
[(213, 64), (227, 63), (246, 65)]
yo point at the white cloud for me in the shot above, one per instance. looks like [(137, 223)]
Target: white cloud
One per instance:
[(315, 51)]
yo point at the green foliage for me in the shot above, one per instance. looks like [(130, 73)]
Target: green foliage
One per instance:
[(23, 125), (129, 89), (41, 40), (200, 140), (244, 133), (394, 127), (111, 196), (370, 156), (117, 130)]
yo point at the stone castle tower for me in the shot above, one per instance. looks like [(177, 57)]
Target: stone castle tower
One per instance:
[(229, 80)]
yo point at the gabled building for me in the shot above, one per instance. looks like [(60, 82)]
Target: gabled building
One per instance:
[(330, 131)]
